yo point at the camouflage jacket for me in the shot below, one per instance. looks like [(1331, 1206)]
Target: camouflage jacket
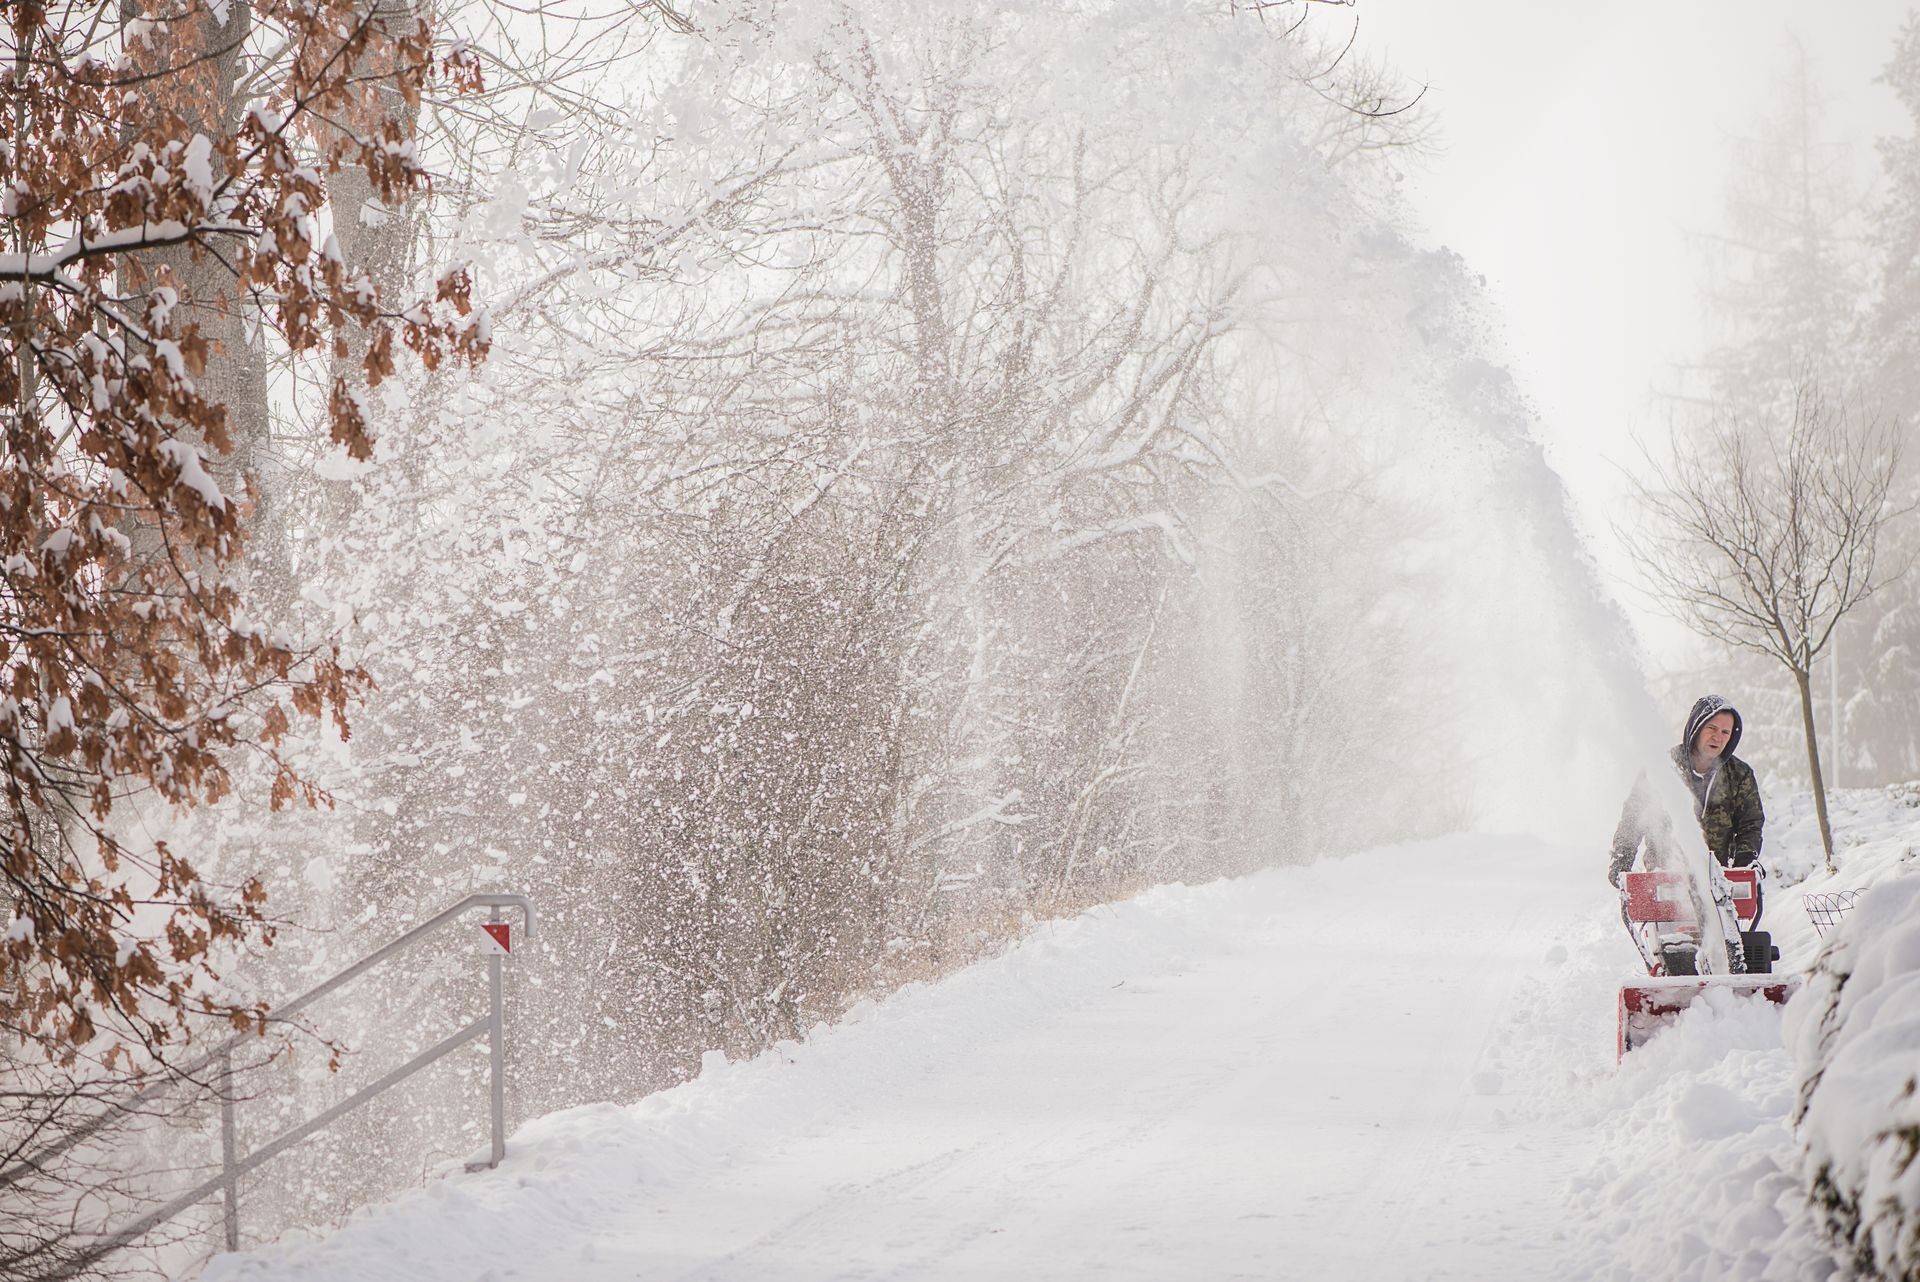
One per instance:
[(1727, 804)]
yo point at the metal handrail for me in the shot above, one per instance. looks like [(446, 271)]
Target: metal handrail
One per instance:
[(233, 1167)]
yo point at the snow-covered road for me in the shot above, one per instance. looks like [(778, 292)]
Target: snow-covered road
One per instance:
[(1357, 1070)]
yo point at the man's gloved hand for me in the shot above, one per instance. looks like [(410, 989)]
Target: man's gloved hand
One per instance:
[(1616, 874)]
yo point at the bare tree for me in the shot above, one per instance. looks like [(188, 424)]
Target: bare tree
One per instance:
[(1765, 533)]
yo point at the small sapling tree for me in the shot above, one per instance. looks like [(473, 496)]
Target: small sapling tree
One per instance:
[(1763, 532)]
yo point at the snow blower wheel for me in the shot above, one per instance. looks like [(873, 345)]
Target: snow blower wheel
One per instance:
[(1679, 959)]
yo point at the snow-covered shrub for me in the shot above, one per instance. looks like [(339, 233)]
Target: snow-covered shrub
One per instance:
[(1855, 1034)]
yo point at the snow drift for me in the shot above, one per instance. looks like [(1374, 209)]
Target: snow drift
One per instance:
[(1855, 1036)]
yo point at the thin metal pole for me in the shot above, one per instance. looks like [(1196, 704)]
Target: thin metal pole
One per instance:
[(230, 1179), (497, 1053)]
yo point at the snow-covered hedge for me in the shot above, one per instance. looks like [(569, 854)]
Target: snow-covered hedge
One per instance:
[(1855, 1034)]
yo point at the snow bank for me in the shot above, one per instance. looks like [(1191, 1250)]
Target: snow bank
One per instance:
[(1696, 1175), (1855, 1036)]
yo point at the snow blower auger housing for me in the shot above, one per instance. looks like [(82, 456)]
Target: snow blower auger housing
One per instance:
[(1660, 915)]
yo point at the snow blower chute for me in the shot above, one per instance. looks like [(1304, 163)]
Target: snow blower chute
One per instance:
[(1662, 916)]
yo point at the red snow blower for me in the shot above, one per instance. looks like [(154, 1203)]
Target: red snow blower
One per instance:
[(1663, 918)]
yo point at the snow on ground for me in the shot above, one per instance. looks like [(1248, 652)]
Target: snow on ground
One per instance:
[(1320, 1072), (1393, 1066), (1694, 1173)]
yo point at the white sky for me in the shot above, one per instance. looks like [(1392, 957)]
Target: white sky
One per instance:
[(1582, 145)]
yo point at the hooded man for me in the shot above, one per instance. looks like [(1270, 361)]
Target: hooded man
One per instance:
[(1726, 796)]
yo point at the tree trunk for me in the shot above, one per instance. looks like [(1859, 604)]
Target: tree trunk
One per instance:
[(1804, 680), (236, 373), (374, 235)]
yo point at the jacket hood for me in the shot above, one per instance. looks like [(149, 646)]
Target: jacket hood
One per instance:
[(1704, 708)]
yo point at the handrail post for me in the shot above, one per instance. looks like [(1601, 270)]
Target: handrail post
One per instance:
[(497, 1051), (230, 1181)]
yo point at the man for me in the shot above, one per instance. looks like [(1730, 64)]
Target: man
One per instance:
[(1726, 797)]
